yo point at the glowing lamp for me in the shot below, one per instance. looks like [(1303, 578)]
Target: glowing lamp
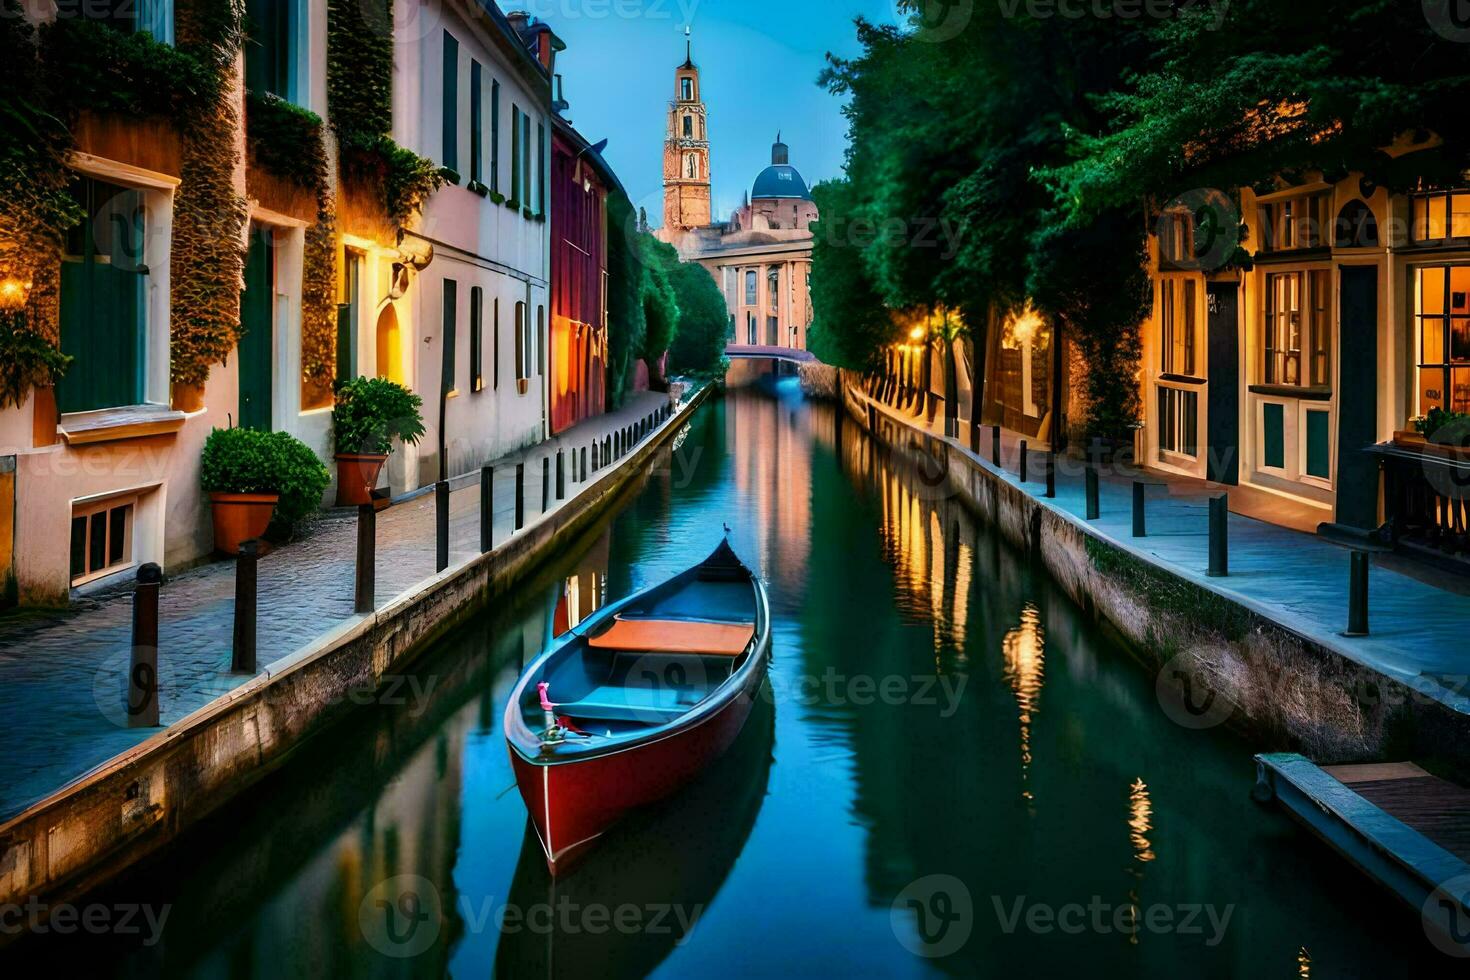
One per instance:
[(13, 294), (916, 334)]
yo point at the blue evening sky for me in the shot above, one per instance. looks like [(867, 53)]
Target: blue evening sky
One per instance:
[(759, 60)]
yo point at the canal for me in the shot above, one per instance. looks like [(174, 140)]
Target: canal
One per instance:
[(950, 757)]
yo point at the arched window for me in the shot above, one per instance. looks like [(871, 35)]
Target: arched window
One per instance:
[(689, 126), (1356, 227), (691, 166)]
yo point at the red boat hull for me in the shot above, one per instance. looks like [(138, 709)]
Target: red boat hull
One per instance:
[(573, 803)]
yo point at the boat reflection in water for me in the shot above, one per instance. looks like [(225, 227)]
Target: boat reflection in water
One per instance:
[(657, 872)]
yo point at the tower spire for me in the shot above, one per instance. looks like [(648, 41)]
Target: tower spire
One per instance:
[(688, 47)]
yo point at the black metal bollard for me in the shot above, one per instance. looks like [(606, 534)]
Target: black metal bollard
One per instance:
[(520, 496), (1140, 522), (1023, 461), (975, 436), (365, 590), (1051, 475), (246, 590), (596, 446), (1220, 536), (584, 464), (561, 474), (441, 525), (1357, 594), (487, 508), (995, 445), (545, 484), (1094, 504), (143, 665)]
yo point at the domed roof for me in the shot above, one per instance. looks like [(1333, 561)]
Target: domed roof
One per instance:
[(780, 179)]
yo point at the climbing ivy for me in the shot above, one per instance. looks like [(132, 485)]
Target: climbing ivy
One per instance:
[(286, 139)]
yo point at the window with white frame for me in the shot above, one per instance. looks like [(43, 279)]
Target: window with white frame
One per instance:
[(1178, 326), (1297, 329), (1178, 421), (1442, 216), (1442, 312), (1296, 222)]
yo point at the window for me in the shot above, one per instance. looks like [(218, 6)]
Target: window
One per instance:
[(523, 346), (1176, 238), (1179, 421), (515, 155), (526, 189), (1296, 222), (1438, 217), (476, 128), (347, 305), (449, 123), (155, 17), (1298, 329), (448, 327), (270, 54), (750, 287), (541, 340), (689, 127), (494, 135), (101, 538), (691, 166), (1442, 308), (104, 290), (773, 282), (1178, 316), (686, 89), (477, 339), (495, 361)]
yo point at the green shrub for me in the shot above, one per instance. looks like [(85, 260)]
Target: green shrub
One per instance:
[(251, 461), (372, 412), (1429, 426)]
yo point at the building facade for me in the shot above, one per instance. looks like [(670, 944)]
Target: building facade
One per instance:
[(761, 257), (448, 293), (1302, 374)]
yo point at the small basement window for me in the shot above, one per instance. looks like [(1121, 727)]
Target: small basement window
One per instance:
[(101, 538)]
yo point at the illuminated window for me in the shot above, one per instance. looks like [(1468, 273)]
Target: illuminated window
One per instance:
[(1442, 309), (1438, 217), (1297, 341), (1178, 316)]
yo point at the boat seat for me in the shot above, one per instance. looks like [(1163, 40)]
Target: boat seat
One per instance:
[(640, 704), (674, 636)]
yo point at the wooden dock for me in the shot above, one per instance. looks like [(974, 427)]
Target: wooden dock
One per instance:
[(1403, 827)]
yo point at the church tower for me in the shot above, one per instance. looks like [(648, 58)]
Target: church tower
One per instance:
[(686, 151)]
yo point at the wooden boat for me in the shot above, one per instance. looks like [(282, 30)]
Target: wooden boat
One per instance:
[(674, 856), (636, 700)]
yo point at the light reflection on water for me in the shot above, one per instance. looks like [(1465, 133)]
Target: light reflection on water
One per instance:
[(1014, 748)]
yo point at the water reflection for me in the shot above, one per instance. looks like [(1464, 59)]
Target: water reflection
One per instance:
[(1025, 669)]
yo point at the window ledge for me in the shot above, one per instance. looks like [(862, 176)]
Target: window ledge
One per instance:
[(1292, 391), (113, 424), (1182, 379)]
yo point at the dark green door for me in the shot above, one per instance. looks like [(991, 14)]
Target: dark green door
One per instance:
[(257, 336), (103, 292)]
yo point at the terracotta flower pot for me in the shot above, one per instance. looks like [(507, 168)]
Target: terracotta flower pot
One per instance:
[(240, 517), (44, 418), (187, 398), (357, 475)]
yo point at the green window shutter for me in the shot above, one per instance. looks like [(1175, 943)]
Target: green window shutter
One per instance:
[(526, 188), (1273, 435), (1319, 447), (451, 102), (103, 297), (477, 340), (515, 154), (448, 326), (268, 48), (541, 167), (257, 337), (494, 135), (475, 112)]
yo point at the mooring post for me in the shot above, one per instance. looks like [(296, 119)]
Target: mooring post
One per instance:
[(1140, 525), (520, 496), (561, 474), (596, 447), (1094, 505), (975, 436), (441, 525), (367, 559), (545, 484), (995, 446), (584, 464), (1357, 594), (1220, 536), (487, 508), (1022, 467), (246, 583), (143, 665), (1051, 474)]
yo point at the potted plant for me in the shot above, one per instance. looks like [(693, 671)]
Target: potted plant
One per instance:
[(254, 477), (370, 413)]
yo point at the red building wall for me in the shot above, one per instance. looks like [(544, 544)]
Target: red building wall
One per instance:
[(578, 288)]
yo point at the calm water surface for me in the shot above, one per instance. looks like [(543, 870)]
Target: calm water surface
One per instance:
[(935, 708)]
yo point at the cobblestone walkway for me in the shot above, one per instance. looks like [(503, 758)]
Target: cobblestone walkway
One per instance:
[(63, 676), (1299, 580)]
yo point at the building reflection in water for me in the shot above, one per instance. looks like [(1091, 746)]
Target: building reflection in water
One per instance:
[(1024, 649), (1140, 825)]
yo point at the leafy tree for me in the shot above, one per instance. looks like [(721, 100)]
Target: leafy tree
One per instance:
[(704, 321), (851, 324), (626, 326), (660, 305)]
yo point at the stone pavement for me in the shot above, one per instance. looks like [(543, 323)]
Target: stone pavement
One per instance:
[(1299, 580), (63, 676)]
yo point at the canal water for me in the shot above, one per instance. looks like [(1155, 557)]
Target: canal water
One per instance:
[(953, 772)]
